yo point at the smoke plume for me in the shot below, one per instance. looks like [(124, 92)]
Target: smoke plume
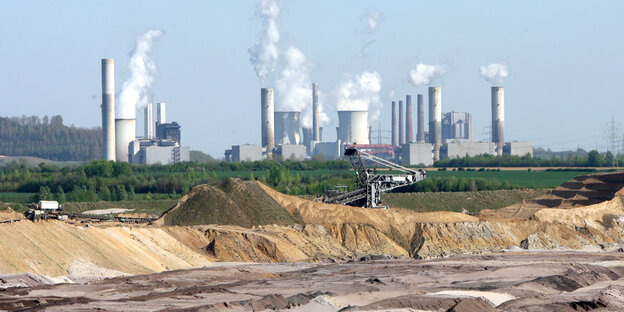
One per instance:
[(360, 93), (423, 74), (134, 91), (373, 21), (494, 73), (263, 56)]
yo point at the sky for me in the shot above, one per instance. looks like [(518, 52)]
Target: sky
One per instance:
[(564, 60)]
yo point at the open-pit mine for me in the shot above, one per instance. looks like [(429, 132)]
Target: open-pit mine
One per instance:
[(241, 246)]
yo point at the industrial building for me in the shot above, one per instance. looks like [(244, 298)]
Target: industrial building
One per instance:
[(291, 152), (457, 126), (287, 129), (353, 127), (518, 148), (329, 150), (458, 149), (161, 143), (415, 154), (245, 152)]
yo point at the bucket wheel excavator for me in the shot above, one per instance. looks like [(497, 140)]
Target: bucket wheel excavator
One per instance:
[(370, 183)]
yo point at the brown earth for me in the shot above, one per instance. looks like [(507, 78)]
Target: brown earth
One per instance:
[(309, 231), (511, 281)]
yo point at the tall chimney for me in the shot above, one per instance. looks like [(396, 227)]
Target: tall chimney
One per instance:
[(161, 117), (401, 124), (108, 108), (435, 120), (395, 138), (267, 120), (498, 118), (421, 119), (409, 132), (149, 121), (316, 135)]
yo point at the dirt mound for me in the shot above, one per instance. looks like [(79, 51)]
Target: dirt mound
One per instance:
[(582, 191), (233, 202)]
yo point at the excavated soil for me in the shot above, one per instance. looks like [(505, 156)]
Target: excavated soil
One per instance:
[(233, 202), (511, 281), (250, 222)]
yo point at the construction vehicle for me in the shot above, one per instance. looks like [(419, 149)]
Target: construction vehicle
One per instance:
[(370, 183)]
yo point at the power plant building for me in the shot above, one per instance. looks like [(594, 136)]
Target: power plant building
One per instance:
[(245, 152), (518, 148), (329, 150), (163, 152), (353, 127), (457, 126), (461, 149), (287, 128), (413, 154), (291, 152)]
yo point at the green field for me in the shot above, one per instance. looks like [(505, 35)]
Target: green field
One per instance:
[(526, 179)]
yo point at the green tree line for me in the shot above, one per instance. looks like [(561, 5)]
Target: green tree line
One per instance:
[(48, 138), (591, 159)]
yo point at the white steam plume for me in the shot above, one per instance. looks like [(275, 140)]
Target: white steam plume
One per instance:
[(134, 91), (494, 73), (360, 93), (293, 88), (373, 21), (263, 56), (423, 74)]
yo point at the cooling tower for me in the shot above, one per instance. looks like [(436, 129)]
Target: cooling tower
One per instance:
[(435, 120), (287, 128), (149, 120), (125, 132), (395, 138), (161, 117), (401, 124), (316, 135), (421, 119), (108, 108), (353, 127), (266, 112), (498, 118), (409, 132)]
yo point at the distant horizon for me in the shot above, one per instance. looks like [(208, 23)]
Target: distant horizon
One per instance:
[(561, 85)]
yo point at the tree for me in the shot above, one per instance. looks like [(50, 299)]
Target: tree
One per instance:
[(104, 194), (44, 193), (60, 194), (120, 193)]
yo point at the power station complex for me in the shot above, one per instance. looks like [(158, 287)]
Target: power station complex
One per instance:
[(449, 134), (161, 141)]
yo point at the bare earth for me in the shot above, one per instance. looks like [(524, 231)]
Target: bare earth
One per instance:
[(511, 281)]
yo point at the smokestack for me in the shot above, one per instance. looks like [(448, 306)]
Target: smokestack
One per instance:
[(409, 133), (421, 119), (108, 108), (401, 125), (498, 118), (149, 121), (395, 139), (160, 113), (125, 132), (435, 120), (266, 112), (316, 135)]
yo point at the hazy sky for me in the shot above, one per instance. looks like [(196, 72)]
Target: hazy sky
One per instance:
[(564, 58)]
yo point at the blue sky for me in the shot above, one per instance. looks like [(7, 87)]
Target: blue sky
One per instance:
[(564, 58)]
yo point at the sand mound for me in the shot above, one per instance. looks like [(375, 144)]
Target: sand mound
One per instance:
[(233, 202)]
